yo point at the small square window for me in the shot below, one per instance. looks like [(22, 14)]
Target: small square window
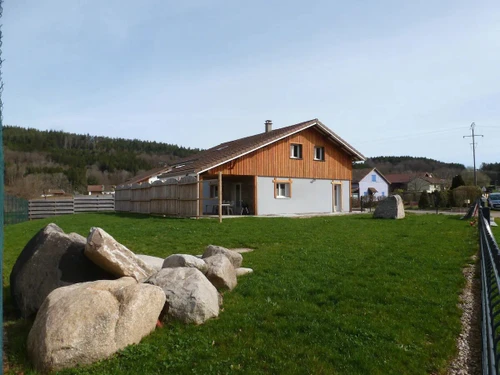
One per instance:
[(296, 151), (283, 190), (214, 191), (319, 153), (374, 178)]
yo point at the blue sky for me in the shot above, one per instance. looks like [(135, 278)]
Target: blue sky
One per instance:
[(390, 77)]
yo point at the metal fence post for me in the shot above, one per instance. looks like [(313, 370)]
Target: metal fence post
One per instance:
[(490, 292)]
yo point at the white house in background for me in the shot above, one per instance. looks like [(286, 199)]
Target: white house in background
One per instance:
[(367, 182), (426, 183), (148, 176)]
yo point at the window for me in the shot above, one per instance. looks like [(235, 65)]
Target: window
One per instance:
[(374, 178), (383, 193), (319, 153), (296, 151), (214, 191), (282, 190)]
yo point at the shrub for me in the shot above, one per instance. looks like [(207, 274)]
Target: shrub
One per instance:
[(423, 202), (466, 193), (457, 181)]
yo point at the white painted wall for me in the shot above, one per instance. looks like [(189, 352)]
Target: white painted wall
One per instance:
[(308, 196), (380, 184), (346, 196)]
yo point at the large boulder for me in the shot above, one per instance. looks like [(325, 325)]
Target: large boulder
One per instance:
[(390, 208), (155, 263), (235, 258), (84, 323), (221, 272), (115, 258), (185, 260), (51, 259), (191, 298)]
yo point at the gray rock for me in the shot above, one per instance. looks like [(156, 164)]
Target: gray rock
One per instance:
[(221, 272), (115, 258), (242, 271), (185, 260), (191, 298), (235, 258), (155, 263), (51, 259), (390, 208), (242, 250), (84, 323)]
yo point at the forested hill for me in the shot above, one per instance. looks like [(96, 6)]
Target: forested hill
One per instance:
[(410, 164), (37, 160)]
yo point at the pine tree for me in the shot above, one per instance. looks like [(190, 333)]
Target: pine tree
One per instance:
[(457, 181)]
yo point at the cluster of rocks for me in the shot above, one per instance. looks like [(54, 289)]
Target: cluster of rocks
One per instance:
[(390, 208), (93, 297)]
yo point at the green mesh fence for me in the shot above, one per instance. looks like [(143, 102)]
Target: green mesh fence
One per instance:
[(15, 210)]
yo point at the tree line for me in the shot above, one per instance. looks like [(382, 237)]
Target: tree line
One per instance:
[(49, 157), (410, 164)]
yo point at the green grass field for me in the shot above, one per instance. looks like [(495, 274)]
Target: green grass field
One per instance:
[(329, 295)]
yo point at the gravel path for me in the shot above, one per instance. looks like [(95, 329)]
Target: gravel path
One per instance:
[(468, 360)]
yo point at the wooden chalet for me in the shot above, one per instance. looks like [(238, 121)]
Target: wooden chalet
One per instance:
[(298, 169)]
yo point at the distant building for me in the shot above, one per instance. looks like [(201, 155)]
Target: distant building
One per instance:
[(100, 189), (148, 176), (399, 181), (53, 193), (426, 183), (367, 182)]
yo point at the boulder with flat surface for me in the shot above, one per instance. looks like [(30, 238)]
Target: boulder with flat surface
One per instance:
[(115, 258), (221, 272), (191, 298), (235, 258), (390, 208), (51, 259), (86, 322), (185, 260)]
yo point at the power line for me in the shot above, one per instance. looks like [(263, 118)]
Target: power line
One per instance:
[(473, 136), (413, 135)]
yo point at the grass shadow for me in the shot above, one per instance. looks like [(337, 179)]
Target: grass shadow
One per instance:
[(15, 344)]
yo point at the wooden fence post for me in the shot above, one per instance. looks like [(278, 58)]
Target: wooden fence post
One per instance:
[(220, 197)]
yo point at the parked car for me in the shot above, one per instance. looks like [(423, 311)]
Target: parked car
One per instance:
[(494, 200)]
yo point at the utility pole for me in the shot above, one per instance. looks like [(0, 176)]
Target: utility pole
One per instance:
[(472, 126)]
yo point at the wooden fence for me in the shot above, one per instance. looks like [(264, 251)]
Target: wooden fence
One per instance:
[(170, 198), (42, 208)]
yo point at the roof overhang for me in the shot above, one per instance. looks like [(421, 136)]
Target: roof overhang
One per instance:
[(356, 155)]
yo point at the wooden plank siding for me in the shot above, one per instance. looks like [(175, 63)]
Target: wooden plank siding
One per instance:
[(274, 160)]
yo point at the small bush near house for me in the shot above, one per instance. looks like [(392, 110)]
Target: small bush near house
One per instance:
[(464, 194), (439, 199), (424, 201)]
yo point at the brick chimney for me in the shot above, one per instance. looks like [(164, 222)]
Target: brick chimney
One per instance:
[(269, 126)]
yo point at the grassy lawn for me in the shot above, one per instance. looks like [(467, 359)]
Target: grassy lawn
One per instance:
[(329, 295)]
